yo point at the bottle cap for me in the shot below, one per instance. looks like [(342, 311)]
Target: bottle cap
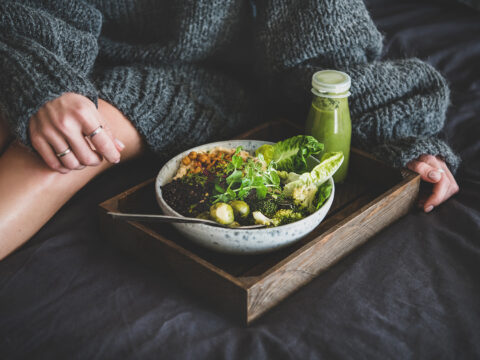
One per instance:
[(330, 82)]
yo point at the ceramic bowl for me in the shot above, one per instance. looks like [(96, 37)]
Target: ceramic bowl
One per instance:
[(236, 240)]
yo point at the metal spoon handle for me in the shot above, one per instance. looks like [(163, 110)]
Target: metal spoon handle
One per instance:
[(170, 219), (160, 218)]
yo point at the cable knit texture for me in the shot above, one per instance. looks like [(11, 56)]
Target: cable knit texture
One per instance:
[(187, 72)]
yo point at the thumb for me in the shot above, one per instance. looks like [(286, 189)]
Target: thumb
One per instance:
[(427, 172)]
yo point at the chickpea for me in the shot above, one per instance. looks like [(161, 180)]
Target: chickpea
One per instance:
[(186, 160), (202, 158), (192, 155), (197, 170)]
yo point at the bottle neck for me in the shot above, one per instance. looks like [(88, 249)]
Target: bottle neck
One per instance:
[(330, 103)]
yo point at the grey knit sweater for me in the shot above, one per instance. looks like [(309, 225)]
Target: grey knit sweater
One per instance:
[(187, 72)]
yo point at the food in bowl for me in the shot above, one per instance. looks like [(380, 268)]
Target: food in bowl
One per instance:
[(271, 186)]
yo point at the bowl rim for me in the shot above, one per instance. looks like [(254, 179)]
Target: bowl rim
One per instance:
[(159, 194)]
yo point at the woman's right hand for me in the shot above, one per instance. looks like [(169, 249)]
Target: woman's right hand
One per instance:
[(65, 123)]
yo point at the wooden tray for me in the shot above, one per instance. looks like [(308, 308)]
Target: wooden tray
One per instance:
[(374, 196)]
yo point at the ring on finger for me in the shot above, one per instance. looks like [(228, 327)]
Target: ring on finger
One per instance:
[(441, 171), (63, 153), (96, 131)]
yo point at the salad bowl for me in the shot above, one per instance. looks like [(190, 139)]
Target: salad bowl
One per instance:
[(237, 240)]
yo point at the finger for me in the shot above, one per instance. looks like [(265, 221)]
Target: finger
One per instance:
[(84, 153), (47, 154), (453, 188), (119, 145), (439, 163), (102, 142), (426, 171), (60, 145), (44, 149), (438, 194)]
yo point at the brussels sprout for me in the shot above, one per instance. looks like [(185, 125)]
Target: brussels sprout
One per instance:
[(240, 208), (234, 224), (204, 215), (222, 213)]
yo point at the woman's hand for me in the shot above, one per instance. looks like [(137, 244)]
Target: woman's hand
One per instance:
[(65, 124), (434, 170)]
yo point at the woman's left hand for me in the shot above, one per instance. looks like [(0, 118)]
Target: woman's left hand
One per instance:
[(434, 170)]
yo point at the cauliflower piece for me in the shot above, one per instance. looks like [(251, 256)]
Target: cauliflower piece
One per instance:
[(304, 196)]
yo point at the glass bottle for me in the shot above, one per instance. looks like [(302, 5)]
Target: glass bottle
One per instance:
[(329, 117)]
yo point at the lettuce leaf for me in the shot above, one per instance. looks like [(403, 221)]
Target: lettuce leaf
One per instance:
[(323, 193), (303, 189), (329, 164), (291, 154)]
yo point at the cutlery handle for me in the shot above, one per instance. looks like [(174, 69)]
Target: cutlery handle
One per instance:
[(156, 218), (170, 219)]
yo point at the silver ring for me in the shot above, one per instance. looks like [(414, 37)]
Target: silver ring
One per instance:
[(96, 131), (440, 170), (63, 153)]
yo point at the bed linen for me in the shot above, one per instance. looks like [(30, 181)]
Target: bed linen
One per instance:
[(412, 291)]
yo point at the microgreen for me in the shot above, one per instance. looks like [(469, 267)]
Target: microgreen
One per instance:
[(244, 176)]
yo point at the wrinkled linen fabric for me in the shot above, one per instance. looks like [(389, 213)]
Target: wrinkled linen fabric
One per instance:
[(412, 291)]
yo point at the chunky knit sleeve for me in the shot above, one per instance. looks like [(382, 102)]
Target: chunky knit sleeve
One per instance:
[(175, 107), (47, 48), (398, 107)]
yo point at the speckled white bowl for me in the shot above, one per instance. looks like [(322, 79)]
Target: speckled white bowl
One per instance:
[(237, 241)]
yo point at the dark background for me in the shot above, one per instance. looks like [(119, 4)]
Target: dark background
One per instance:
[(413, 291)]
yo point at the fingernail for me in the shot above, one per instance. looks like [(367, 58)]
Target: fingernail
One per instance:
[(117, 161), (434, 175), (429, 208), (120, 144), (81, 167)]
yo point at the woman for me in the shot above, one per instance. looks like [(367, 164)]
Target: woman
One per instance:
[(119, 75)]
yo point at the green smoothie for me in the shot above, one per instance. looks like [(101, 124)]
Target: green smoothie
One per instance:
[(329, 117)]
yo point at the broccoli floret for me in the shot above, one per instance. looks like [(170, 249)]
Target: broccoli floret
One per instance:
[(281, 217), (267, 206), (304, 197), (286, 216)]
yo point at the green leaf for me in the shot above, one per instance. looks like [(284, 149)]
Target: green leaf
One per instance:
[(262, 192), (237, 161), (330, 164), (234, 177), (242, 193), (275, 178), (231, 193), (291, 154), (219, 189), (323, 193)]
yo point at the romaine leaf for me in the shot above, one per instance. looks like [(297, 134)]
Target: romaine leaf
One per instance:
[(291, 154), (329, 165), (323, 193)]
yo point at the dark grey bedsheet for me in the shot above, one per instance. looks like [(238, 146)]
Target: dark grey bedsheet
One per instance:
[(413, 291)]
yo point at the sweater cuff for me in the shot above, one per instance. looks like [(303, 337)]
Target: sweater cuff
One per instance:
[(400, 152), (395, 100), (34, 76)]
